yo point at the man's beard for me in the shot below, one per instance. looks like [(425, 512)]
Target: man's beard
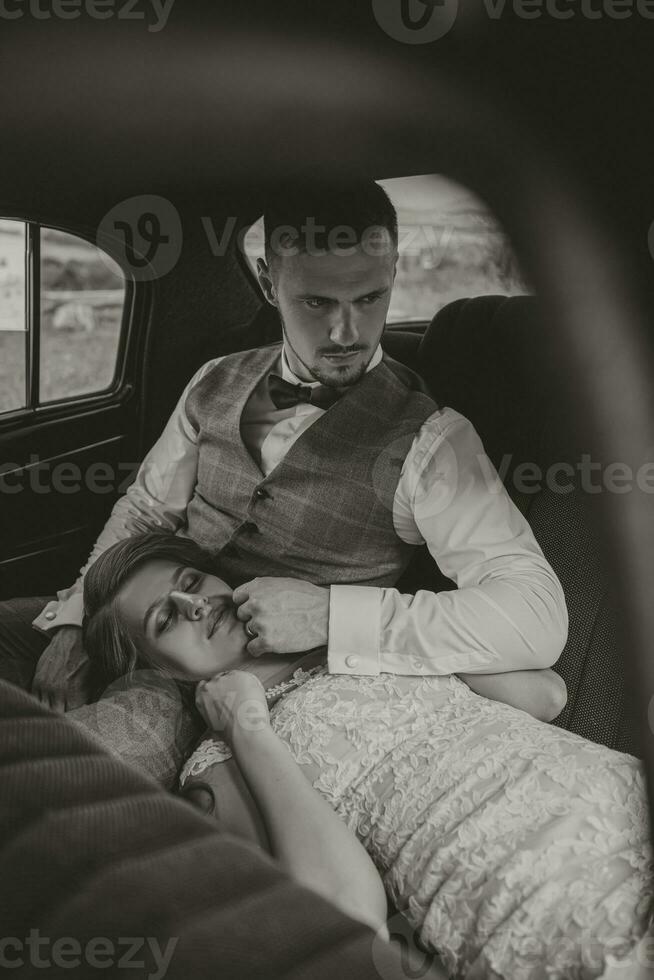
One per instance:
[(344, 378), (341, 378)]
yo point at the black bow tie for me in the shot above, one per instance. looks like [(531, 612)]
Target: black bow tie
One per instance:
[(287, 395)]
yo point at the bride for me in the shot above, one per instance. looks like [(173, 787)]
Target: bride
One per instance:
[(516, 849)]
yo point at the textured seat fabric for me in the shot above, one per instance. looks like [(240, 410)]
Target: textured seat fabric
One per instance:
[(91, 851), (493, 359), (143, 720)]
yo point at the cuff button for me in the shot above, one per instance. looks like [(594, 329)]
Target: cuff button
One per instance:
[(352, 661), (50, 615)]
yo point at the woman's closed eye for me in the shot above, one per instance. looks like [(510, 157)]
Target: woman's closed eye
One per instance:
[(168, 612), (165, 617)]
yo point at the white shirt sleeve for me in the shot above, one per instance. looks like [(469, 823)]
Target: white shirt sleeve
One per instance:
[(508, 611), (163, 486)]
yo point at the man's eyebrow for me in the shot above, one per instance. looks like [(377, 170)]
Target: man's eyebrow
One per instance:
[(371, 292), (157, 602)]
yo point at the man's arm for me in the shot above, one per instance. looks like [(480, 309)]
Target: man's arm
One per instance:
[(157, 500), (508, 611)]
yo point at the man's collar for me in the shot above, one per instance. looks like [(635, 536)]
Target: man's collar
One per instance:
[(289, 376)]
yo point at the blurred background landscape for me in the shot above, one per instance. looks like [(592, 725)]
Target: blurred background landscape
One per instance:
[(450, 247)]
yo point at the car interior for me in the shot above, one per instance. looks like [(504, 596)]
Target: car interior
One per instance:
[(211, 115)]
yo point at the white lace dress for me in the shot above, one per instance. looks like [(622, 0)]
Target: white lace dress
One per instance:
[(516, 849)]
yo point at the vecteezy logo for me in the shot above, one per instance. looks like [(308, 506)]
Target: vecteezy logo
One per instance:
[(415, 21), (432, 478), (144, 234)]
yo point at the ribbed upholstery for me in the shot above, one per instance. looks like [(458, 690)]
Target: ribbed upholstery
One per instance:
[(494, 360), (91, 848)]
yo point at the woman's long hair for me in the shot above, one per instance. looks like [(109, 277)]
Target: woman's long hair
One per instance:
[(108, 641)]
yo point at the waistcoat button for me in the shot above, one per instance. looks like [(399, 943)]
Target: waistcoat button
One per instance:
[(261, 494)]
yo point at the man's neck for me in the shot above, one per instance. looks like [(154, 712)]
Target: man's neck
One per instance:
[(293, 370)]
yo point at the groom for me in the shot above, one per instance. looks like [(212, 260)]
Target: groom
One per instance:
[(318, 466)]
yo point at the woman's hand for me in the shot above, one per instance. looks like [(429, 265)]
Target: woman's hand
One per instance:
[(233, 703)]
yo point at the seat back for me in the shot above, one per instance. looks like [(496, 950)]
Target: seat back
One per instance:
[(493, 359)]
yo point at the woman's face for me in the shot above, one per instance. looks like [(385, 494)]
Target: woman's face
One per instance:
[(183, 619)]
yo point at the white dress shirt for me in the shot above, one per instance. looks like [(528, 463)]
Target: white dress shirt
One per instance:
[(508, 611)]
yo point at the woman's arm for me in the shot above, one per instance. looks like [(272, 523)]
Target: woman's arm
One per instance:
[(221, 791), (305, 834), (541, 693)]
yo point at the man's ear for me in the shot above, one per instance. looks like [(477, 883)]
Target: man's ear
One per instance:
[(266, 282)]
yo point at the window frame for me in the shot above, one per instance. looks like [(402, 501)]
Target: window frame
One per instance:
[(118, 390)]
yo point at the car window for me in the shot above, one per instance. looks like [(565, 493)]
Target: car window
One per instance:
[(449, 243), (61, 313), (82, 300), (13, 324), (450, 247)]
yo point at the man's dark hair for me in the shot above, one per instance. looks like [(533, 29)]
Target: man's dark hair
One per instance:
[(303, 217), (107, 640)]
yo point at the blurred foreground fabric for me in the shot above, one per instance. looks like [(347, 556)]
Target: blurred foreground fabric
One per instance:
[(102, 871)]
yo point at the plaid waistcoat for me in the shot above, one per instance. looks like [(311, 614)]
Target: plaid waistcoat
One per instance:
[(325, 512)]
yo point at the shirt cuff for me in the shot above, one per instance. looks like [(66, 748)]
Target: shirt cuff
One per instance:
[(70, 612), (354, 620)]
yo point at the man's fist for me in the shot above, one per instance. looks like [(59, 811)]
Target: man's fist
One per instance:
[(286, 614), (62, 679)]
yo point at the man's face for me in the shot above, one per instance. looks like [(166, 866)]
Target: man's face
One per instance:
[(333, 308)]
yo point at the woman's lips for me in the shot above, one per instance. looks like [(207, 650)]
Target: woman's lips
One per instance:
[(222, 614), (212, 619), (215, 617)]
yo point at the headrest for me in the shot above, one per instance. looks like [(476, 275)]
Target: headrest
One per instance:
[(493, 359), (402, 346)]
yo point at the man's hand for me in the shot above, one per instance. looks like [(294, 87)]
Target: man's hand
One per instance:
[(286, 614), (62, 677)]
